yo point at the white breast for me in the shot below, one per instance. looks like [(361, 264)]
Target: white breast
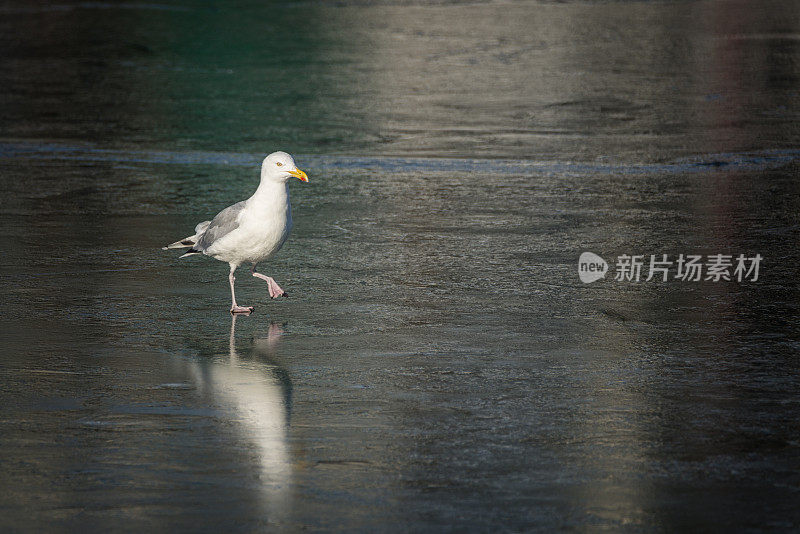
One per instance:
[(264, 226)]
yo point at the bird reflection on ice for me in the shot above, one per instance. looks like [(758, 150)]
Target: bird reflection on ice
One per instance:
[(259, 394)]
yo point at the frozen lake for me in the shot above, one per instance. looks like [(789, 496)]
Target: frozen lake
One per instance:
[(438, 365)]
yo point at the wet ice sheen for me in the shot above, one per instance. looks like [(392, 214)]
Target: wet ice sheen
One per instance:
[(439, 364)]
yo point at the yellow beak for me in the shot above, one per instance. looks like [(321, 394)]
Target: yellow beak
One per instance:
[(300, 174)]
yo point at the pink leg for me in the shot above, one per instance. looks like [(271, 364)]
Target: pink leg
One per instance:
[(275, 290), (235, 308)]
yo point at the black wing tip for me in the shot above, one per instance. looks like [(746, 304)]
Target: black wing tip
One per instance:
[(191, 252)]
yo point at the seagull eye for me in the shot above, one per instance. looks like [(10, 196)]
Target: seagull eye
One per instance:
[(279, 164)]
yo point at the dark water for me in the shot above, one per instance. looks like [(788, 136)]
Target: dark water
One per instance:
[(438, 365)]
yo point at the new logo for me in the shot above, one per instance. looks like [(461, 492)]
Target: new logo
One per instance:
[(591, 267)]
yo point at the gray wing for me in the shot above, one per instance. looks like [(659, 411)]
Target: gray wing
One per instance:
[(224, 223)]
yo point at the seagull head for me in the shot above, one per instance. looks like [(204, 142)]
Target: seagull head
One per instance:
[(279, 167)]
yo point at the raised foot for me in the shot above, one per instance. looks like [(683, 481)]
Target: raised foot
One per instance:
[(242, 309), (275, 290)]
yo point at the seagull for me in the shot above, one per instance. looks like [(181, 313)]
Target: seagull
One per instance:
[(252, 230)]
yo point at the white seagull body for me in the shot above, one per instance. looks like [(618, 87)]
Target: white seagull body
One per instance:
[(253, 230)]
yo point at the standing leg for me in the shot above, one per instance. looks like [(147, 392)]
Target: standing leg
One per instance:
[(234, 307), (275, 290)]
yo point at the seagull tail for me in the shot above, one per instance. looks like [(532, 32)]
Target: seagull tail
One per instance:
[(183, 243), (191, 252), (191, 240)]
